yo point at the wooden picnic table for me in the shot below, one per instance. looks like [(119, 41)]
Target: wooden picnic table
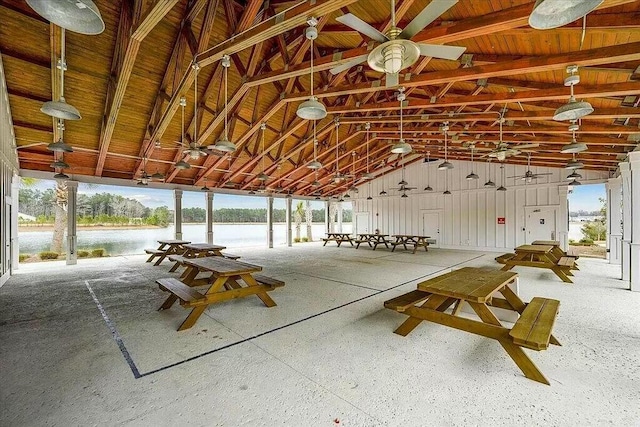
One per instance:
[(166, 248), (338, 238), (195, 250), (480, 288), (540, 256), (411, 240), (557, 250), (373, 240), (225, 278)]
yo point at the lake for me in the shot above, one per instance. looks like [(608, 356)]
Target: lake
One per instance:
[(135, 241)]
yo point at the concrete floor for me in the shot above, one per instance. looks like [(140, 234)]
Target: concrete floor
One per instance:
[(84, 345)]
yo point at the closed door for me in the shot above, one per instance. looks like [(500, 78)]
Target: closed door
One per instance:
[(541, 225), (431, 227), (362, 222)]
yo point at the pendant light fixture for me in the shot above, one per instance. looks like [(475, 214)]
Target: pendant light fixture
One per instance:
[(205, 188), (573, 175), (428, 160), (312, 109), (367, 175), (59, 164), (472, 175), (549, 14), (315, 164), (446, 165), (489, 183), (383, 193), (224, 144), (574, 182), (573, 110), (502, 187), (62, 175), (574, 146), (263, 176), (144, 178), (60, 146), (182, 164), (79, 16), (574, 164), (60, 109), (401, 147)]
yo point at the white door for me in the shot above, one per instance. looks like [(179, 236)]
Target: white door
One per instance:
[(541, 225), (362, 222), (431, 227)]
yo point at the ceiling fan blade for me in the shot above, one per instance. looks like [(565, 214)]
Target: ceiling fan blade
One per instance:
[(541, 174), (351, 20), (441, 51), (348, 64), (429, 14), (392, 80)]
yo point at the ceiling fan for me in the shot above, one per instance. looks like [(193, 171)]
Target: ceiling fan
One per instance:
[(528, 175), (504, 150), (403, 185), (397, 51)]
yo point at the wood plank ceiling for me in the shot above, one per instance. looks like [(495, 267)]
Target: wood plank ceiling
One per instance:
[(127, 83)]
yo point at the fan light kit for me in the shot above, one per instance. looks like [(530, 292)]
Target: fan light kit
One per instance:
[(446, 165), (79, 16), (60, 109), (573, 110), (224, 144), (401, 147), (549, 14), (312, 109), (396, 51)]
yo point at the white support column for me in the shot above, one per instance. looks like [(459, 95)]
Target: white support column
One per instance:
[(14, 243), (339, 217), (270, 221), (72, 239), (634, 163), (327, 221), (614, 219), (209, 200), (177, 216), (288, 221), (563, 215), (625, 258)]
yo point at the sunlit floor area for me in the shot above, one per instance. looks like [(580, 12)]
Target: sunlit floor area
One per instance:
[(86, 345)]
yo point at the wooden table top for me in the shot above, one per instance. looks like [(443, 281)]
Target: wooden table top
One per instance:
[(173, 242), (412, 236), (535, 249), (204, 247), (222, 266), (468, 283), (338, 234), (546, 242), (372, 235)]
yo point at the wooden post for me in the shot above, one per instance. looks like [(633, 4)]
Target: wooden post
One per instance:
[(72, 241), (177, 216), (209, 198), (270, 221)]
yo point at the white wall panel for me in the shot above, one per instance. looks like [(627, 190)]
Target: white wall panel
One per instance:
[(470, 213)]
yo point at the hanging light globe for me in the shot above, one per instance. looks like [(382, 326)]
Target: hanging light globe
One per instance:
[(263, 177), (490, 184), (428, 188), (574, 164), (79, 16), (61, 110), (549, 14), (182, 165), (315, 165), (224, 145), (574, 147), (472, 176), (401, 147), (60, 146), (312, 109)]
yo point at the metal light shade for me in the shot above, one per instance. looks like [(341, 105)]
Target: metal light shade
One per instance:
[(142, 183), (263, 177), (369, 198), (316, 183), (288, 196), (59, 164), (60, 110), (225, 145), (404, 195), (317, 197), (472, 175), (157, 175), (79, 16), (60, 146), (428, 188), (182, 165), (401, 148), (501, 188), (205, 188), (447, 192), (312, 109), (557, 13), (574, 175), (574, 164), (444, 166), (252, 192), (60, 175), (573, 110), (574, 182), (341, 199), (489, 184), (403, 182), (314, 165), (367, 175), (383, 193), (574, 147)]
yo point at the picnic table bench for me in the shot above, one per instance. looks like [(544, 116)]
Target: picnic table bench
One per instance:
[(480, 289), (198, 250), (373, 240), (225, 282), (539, 256), (338, 238), (166, 248), (411, 240)]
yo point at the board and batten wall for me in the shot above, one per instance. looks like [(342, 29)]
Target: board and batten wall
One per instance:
[(8, 186), (468, 217)]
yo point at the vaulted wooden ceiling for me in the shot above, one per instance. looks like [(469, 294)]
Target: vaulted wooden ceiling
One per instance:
[(127, 83)]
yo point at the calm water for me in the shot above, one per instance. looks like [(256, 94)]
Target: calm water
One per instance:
[(117, 242)]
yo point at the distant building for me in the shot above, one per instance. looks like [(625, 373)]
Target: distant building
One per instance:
[(25, 217)]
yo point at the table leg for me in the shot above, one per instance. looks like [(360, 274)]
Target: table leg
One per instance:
[(518, 305), (266, 299), (456, 308), (526, 365), (171, 299), (325, 242), (434, 302), (175, 267)]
